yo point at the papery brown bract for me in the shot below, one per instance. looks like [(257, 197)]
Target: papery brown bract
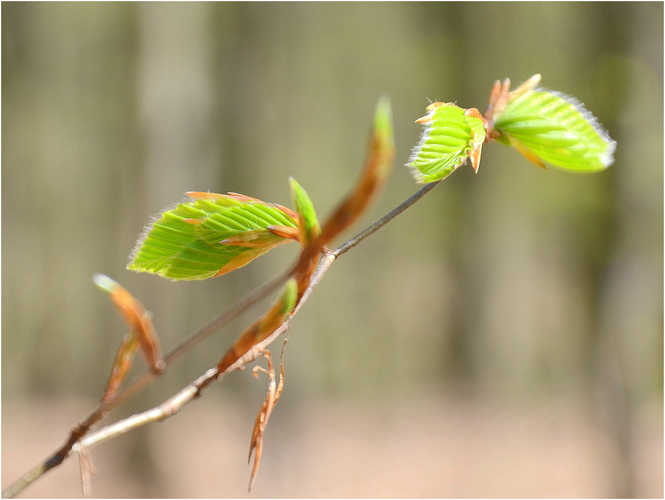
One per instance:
[(137, 319)]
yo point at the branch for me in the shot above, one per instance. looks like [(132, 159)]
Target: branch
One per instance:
[(173, 405), (82, 428)]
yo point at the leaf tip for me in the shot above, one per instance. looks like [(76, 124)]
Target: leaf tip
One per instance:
[(104, 283), (383, 120)]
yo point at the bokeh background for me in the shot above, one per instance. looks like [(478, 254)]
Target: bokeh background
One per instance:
[(502, 338)]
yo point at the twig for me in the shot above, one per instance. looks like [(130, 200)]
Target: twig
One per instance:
[(173, 405), (165, 410), (138, 384), (345, 247), (205, 331)]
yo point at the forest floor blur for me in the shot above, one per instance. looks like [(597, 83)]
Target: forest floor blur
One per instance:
[(420, 448)]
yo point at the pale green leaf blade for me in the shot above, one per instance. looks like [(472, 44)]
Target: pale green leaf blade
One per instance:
[(447, 140), (309, 224), (557, 129), (208, 236)]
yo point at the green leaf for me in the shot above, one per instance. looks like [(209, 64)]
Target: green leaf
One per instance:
[(450, 136), (551, 127), (308, 222), (210, 236), (288, 299)]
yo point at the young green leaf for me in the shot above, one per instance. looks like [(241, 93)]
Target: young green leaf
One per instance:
[(551, 127), (308, 224), (211, 235), (451, 135)]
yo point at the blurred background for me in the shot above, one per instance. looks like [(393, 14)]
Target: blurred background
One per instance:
[(501, 338)]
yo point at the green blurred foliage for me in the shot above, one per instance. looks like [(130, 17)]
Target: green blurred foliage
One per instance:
[(516, 281)]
